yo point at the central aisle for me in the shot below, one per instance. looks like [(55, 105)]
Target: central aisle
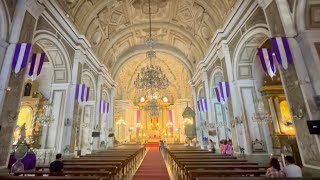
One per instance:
[(152, 167)]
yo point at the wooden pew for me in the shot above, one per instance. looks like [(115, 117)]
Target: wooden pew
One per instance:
[(49, 177), (230, 167), (101, 174), (237, 178), (193, 174)]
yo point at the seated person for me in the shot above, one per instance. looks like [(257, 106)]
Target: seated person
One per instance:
[(291, 169), (274, 170), (57, 165)]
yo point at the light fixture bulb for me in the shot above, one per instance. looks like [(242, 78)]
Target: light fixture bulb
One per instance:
[(165, 99)]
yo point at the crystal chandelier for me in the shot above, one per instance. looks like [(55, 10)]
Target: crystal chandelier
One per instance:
[(260, 116), (151, 76), (47, 118), (153, 95)]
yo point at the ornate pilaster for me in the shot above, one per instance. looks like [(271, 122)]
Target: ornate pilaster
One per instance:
[(98, 116), (11, 85), (111, 120), (209, 99), (233, 105), (73, 113), (197, 117)]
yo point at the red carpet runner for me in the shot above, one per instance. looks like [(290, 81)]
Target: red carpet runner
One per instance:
[(152, 167)]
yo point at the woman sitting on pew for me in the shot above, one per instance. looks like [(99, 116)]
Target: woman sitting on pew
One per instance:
[(274, 170), (228, 148), (222, 148), (212, 146)]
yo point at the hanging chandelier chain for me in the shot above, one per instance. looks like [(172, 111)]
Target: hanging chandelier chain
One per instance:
[(150, 19)]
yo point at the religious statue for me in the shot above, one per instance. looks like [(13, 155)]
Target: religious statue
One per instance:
[(22, 134)]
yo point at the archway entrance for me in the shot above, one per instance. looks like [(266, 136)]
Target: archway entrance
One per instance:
[(265, 122)]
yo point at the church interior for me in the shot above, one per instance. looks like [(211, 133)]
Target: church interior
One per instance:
[(141, 89)]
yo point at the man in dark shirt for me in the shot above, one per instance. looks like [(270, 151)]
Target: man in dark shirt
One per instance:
[(57, 165)]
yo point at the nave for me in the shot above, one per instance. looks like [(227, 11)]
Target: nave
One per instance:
[(108, 81)]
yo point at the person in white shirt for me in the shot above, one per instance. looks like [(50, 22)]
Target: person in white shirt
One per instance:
[(291, 170)]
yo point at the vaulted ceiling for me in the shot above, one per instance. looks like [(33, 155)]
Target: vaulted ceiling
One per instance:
[(117, 29)]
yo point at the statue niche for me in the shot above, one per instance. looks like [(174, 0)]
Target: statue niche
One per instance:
[(27, 129)]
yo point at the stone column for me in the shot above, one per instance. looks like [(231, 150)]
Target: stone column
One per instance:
[(208, 97), (11, 85), (17, 22), (111, 126), (3, 48), (296, 81), (72, 118), (197, 117), (98, 115), (233, 105)]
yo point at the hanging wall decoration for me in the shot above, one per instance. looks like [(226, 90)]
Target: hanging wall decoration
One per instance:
[(202, 105), (282, 51), (267, 62), (21, 55), (218, 94), (224, 91), (104, 107), (36, 65), (82, 93)]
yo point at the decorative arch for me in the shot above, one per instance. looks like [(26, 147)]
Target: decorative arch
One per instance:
[(56, 53), (142, 49), (4, 21), (200, 93), (89, 80), (300, 15), (215, 71), (105, 95), (251, 33)]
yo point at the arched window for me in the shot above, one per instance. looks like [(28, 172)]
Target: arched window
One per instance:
[(218, 77)]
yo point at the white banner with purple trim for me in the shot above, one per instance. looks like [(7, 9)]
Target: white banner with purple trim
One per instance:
[(36, 65), (267, 62), (21, 56), (82, 93), (218, 94), (282, 51), (224, 91), (202, 105), (104, 107)]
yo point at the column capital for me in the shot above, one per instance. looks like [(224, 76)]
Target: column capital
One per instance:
[(264, 3), (34, 8), (79, 57), (205, 75), (3, 43)]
